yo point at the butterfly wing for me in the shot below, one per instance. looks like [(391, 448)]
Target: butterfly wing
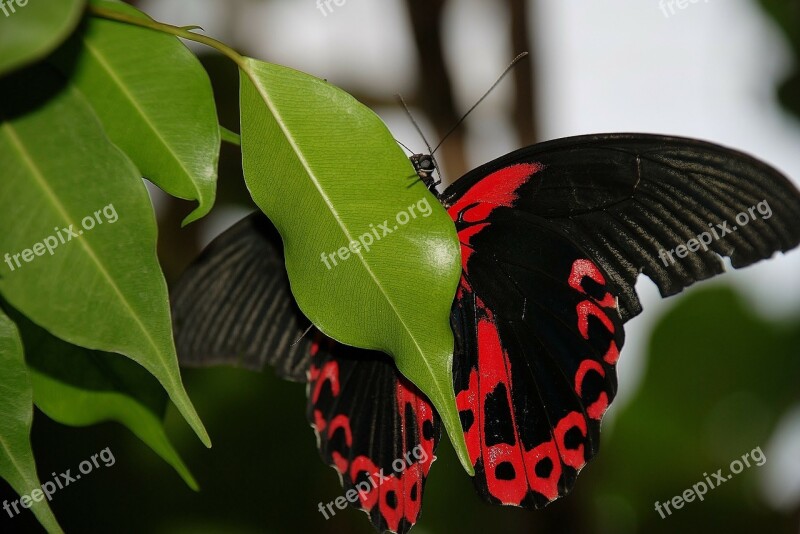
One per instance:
[(375, 428), (233, 306), (626, 197), (553, 237)]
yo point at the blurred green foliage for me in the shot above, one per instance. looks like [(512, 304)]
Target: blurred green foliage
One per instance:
[(786, 13)]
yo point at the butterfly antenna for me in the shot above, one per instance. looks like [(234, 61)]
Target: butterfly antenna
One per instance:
[(481, 99), (403, 145), (414, 122), (303, 334)]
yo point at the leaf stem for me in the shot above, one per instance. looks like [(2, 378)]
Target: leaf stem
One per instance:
[(182, 32), (230, 137)]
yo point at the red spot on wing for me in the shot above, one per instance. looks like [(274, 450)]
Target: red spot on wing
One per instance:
[(495, 370), (612, 355), (547, 486), (408, 395), (391, 515), (572, 457), (328, 373), (467, 401), (343, 422), (367, 495), (586, 308), (598, 407), (412, 489), (492, 191), (581, 269), (585, 367)]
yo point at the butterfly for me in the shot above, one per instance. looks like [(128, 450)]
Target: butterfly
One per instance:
[(553, 237)]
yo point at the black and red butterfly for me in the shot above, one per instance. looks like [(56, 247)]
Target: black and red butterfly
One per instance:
[(553, 237)]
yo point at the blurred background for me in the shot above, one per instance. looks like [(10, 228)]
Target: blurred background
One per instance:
[(705, 377)]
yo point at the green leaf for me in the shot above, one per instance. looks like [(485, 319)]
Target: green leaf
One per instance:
[(81, 260), (29, 30), (328, 173), (81, 387), (155, 102), (16, 406)]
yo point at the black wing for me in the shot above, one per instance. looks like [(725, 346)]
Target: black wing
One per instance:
[(233, 305), (553, 237), (626, 197)]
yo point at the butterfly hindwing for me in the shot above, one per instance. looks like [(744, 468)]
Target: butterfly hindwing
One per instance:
[(233, 306), (375, 428), (535, 369)]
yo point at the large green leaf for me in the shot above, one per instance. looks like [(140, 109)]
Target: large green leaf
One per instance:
[(29, 30), (154, 100), (16, 406), (100, 286), (82, 387), (373, 259)]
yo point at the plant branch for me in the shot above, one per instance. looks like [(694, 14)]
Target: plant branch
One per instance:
[(184, 32)]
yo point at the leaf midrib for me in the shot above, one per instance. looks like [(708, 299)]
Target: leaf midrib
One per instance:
[(100, 58), (301, 157), (50, 195)]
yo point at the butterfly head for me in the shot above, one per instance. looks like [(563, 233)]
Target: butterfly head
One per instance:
[(425, 166)]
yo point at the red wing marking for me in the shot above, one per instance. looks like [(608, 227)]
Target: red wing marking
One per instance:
[(573, 457), (423, 413), (362, 464), (585, 308), (390, 507), (343, 422), (328, 373), (585, 367), (547, 485), (497, 189), (495, 379), (612, 355), (466, 401)]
